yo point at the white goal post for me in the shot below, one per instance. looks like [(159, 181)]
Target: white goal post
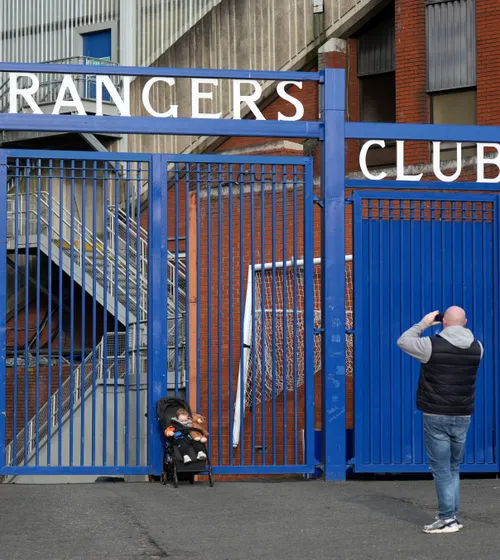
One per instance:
[(289, 275)]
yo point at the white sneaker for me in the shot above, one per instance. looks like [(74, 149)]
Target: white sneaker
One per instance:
[(442, 526), (201, 456), (460, 524), (187, 459)]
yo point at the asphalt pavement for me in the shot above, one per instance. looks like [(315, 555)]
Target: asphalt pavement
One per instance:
[(244, 520)]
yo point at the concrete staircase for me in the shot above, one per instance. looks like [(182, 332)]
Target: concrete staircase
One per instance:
[(63, 239)]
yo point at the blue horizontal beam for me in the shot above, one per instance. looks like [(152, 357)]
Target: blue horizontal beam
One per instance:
[(218, 158), (154, 125), (423, 192), (263, 469), (75, 470), (222, 74), (78, 155), (425, 132), (424, 469)]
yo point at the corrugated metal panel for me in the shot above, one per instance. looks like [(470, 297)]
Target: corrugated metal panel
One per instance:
[(451, 45), (41, 30), (376, 47)]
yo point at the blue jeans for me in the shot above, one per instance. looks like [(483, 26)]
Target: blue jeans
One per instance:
[(444, 438)]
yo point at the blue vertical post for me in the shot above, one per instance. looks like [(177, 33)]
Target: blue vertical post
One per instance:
[(3, 300), (333, 264), (157, 305)]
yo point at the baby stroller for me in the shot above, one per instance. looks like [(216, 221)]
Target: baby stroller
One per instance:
[(174, 469)]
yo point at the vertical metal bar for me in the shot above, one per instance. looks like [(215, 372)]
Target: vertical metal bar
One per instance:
[(72, 317), (60, 319), (37, 332), (263, 318), (116, 372), (309, 312), (333, 285), (219, 311), (176, 281), (26, 311), (16, 302), (105, 289), (230, 266), (295, 317), (94, 309), (360, 310), (140, 311), (198, 291), (495, 439), (273, 307), (210, 310), (187, 272), (157, 304), (285, 316), (50, 235), (254, 334), (127, 311), (242, 380), (83, 373), (3, 298)]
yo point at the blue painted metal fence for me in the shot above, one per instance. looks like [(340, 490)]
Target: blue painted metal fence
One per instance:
[(415, 252), (105, 316), (244, 228), (74, 330)]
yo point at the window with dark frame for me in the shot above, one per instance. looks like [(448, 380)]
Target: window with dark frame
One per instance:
[(377, 79), (451, 66)]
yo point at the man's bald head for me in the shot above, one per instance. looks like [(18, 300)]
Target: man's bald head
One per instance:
[(454, 316)]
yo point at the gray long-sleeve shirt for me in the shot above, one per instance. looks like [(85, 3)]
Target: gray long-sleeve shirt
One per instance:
[(421, 347)]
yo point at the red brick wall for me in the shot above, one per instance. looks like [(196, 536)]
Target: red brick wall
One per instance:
[(488, 65), (412, 101)]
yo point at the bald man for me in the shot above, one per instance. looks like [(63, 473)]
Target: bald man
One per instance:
[(446, 394)]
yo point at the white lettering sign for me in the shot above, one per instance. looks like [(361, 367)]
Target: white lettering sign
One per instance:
[(23, 89), (402, 174)]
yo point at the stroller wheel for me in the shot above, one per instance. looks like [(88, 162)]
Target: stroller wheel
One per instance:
[(211, 481), (175, 479), (163, 478), (191, 479)]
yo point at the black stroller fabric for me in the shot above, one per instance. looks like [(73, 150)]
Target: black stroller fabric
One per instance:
[(167, 407), (174, 469)]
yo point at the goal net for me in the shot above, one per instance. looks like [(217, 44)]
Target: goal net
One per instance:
[(278, 310)]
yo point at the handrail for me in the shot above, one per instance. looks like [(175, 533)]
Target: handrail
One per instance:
[(50, 83), (68, 223), (64, 393)]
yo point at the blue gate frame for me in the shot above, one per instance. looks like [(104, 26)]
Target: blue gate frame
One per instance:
[(158, 173), (332, 131)]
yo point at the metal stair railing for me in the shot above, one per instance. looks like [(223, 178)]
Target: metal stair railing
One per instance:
[(51, 83), (130, 226), (91, 267), (60, 401)]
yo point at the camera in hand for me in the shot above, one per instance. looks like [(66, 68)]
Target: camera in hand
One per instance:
[(439, 317)]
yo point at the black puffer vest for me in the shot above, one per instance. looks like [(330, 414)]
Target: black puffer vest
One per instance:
[(447, 382)]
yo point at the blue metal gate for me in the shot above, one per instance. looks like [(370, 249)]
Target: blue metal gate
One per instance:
[(74, 313), (415, 253), (130, 277), (235, 235)]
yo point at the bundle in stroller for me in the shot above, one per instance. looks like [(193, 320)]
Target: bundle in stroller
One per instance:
[(183, 457)]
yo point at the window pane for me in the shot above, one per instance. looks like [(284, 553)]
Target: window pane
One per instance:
[(454, 108), (378, 98)]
